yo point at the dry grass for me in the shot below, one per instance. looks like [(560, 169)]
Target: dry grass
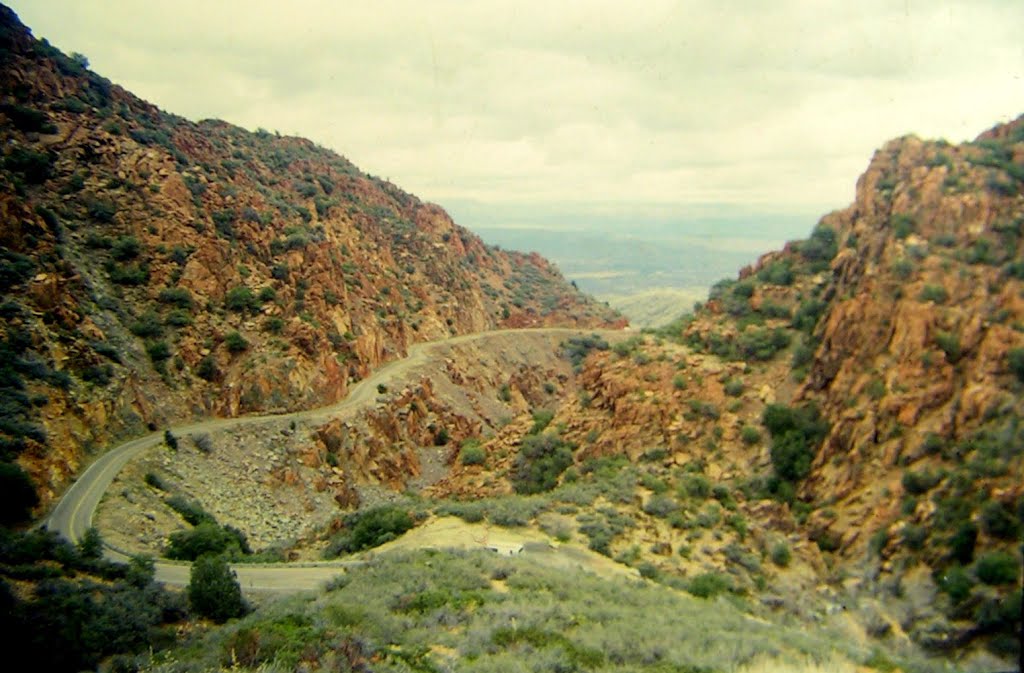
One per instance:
[(777, 665)]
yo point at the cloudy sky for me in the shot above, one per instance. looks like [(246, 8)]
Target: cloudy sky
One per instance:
[(546, 107)]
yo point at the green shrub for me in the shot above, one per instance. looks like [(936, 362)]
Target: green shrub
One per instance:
[(213, 589), (128, 274), (207, 368), (541, 419), (241, 300), (932, 444), (370, 528), (779, 272), (998, 521), (660, 506), (147, 325), (996, 568), (734, 387), (878, 540), (876, 389), (934, 293), (99, 375), (1015, 362), (100, 209), (224, 223), (709, 585), (902, 225), (472, 454), (178, 318), (190, 511), (577, 658), (235, 342), (34, 167), (781, 554), (962, 543), (158, 352), (821, 247), (627, 347), (17, 494), (696, 486), (206, 538), (27, 119), (750, 435), (919, 483), (15, 268), (1014, 269), (955, 582), (762, 343), (125, 248), (743, 289), (902, 268), (796, 434), (577, 348), (273, 324), (807, 314), (914, 536), (949, 344), (176, 296), (541, 460)]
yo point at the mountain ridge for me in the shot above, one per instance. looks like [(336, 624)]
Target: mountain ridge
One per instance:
[(854, 396), (157, 268)]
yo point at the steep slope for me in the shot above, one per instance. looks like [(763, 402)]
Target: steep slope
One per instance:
[(852, 401), (155, 269)]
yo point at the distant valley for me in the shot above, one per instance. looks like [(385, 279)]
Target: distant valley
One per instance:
[(649, 270)]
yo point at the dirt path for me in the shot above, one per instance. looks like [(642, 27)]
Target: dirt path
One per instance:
[(73, 515)]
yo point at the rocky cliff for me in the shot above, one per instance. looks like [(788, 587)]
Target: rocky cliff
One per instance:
[(858, 393), (156, 269)]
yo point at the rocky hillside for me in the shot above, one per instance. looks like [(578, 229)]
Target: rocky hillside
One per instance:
[(849, 408), (155, 269)]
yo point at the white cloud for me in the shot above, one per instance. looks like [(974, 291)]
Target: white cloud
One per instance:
[(655, 105)]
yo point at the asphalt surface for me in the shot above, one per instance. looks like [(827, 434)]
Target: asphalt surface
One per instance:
[(73, 515)]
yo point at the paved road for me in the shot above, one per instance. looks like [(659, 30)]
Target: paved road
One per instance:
[(74, 513)]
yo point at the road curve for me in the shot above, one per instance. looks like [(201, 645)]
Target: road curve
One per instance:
[(73, 515)]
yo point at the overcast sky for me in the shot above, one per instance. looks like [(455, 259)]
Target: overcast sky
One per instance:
[(550, 106)]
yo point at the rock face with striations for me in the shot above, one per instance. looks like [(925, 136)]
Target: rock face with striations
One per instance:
[(156, 269)]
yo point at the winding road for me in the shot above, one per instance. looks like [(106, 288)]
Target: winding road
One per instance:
[(73, 515)]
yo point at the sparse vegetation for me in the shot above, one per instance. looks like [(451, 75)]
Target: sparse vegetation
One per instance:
[(98, 259)]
